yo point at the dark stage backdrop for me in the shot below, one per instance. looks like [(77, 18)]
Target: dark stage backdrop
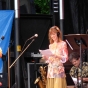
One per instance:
[(76, 16), (35, 24)]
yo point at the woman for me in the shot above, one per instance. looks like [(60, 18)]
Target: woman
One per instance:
[(56, 74)]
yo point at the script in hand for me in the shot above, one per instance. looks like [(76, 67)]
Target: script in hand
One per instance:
[(75, 80), (46, 52)]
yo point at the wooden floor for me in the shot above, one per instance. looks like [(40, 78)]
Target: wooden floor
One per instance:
[(70, 87)]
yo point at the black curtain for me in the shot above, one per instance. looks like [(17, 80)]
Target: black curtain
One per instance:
[(76, 16)]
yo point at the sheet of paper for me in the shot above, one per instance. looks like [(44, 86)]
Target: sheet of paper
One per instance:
[(46, 52), (75, 80)]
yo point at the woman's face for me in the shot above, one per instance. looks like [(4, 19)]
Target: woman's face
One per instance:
[(75, 62), (54, 36)]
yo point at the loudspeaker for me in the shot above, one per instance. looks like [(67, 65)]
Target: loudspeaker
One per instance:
[(33, 73), (35, 24)]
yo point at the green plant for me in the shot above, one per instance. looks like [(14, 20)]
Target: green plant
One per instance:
[(42, 6)]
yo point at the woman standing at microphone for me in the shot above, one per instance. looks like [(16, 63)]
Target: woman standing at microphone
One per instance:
[(56, 73)]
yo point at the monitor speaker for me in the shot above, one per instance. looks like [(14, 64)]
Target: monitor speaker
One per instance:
[(33, 73)]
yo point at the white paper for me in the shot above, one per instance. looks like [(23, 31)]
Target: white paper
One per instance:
[(46, 52), (75, 80)]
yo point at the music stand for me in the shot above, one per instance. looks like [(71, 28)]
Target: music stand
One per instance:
[(78, 42)]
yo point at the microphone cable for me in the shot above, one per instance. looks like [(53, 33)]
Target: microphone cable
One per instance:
[(24, 45)]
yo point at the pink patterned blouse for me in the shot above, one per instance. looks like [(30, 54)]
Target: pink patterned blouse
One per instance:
[(55, 66)]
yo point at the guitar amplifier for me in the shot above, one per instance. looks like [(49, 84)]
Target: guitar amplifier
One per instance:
[(33, 73)]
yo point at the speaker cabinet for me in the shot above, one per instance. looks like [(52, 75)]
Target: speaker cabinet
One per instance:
[(35, 24), (33, 73)]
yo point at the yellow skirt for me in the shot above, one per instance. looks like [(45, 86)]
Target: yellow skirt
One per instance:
[(56, 83)]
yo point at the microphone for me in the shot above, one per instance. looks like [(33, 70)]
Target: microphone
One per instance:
[(35, 35)]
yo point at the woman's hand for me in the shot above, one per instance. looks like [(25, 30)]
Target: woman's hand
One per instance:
[(44, 57)]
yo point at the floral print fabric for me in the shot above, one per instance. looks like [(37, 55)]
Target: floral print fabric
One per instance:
[(55, 66), (73, 71)]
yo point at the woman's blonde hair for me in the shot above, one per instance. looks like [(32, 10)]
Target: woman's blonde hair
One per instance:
[(54, 29)]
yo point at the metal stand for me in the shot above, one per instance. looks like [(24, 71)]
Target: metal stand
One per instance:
[(78, 85), (81, 62), (8, 68), (20, 54)]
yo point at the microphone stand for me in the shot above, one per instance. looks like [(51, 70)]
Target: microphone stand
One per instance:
[(80, 44), (21, 54), (81, 62)]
